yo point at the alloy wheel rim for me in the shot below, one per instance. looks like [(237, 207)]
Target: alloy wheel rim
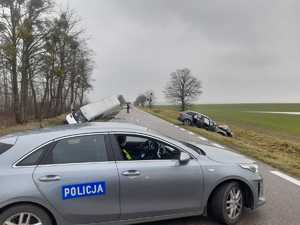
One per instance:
[(234, 203), (23, 218)]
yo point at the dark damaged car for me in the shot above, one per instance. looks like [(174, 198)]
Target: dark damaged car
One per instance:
[(191, 118)]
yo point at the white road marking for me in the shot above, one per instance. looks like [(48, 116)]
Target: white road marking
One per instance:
[(191, 133), (176, 126), (286, 113), (202, 138), (286, 177), (217, 145), (182, 129)]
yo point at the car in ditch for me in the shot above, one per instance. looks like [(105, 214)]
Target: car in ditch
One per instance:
[(191, 118), (119, 173), (106, 107)]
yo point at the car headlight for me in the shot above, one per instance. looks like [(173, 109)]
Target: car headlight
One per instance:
[(250, 166)]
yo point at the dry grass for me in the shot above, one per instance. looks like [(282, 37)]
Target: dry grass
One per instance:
[(32, 125), (283, 154)]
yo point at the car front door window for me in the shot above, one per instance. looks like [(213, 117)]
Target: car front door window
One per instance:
[(143, 148)]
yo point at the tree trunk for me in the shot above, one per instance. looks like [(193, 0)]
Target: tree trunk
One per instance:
[(81, 96), (15, 91), (183, 104), (44, 99), (24, 84), (36, 111), (13, 62)]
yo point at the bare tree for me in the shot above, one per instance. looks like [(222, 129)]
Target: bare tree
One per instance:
[(140, 100), (33, 30), (182, 88), (150, 98), (122, 100), (45, 64), (10, 22)]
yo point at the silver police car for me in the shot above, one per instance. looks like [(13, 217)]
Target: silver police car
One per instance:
[(119, 173)]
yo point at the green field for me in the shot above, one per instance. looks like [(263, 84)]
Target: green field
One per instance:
[(272, 138), (279, 125)]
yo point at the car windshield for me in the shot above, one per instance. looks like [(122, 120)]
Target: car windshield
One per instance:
[(78, 116), (191, 113)]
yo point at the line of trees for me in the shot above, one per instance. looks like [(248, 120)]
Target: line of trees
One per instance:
[(45, 63)]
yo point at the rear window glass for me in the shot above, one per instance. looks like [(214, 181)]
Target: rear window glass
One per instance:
[(81, 149), (34, 158), (4, 147)]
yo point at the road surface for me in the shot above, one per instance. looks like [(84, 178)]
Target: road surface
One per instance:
[(282, 192)]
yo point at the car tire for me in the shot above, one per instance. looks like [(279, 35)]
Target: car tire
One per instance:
[(37, 215), (222, 133), (187, 122), (219, 207)]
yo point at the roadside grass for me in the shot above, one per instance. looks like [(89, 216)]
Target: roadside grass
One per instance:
[(55, 121), (264, 144), (34, 124)]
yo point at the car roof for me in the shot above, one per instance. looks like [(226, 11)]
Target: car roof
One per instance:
[(66, 130), (24, 142), (187, 112), (195, 113)]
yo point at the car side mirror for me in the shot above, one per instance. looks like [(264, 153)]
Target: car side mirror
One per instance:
[(184, 158)]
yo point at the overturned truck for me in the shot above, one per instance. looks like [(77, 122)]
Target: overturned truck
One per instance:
[(106, 107)]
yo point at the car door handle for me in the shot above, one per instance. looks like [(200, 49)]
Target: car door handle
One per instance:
[(50, 178), (131, 173)]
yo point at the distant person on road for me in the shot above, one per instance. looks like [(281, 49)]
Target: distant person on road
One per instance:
[(128, 107)]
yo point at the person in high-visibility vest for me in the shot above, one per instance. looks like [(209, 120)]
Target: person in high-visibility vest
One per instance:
[(122, 143)]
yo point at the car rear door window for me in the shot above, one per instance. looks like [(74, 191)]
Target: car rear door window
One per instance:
[(81, 149), (35, 157), (4, 147), (191, 113)]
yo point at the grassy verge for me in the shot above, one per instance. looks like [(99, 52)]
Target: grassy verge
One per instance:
[(32, 125), (280, 153), (55, 121)]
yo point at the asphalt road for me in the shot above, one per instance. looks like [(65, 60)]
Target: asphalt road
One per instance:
[(283, 195)]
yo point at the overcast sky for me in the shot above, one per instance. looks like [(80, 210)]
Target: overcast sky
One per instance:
[(241, 50)]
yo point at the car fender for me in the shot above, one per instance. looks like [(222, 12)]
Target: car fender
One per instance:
[(211, 188)]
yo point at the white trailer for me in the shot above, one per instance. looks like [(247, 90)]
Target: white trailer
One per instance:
[(103, 108)]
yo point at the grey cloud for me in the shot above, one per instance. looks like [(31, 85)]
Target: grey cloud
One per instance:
[(242, 50)]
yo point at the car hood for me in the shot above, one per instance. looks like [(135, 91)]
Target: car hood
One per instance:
[(224, 156)]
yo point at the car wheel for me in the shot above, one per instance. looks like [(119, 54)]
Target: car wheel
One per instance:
[(226, 205), (25, 214), (222, 133), (187, 122)]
